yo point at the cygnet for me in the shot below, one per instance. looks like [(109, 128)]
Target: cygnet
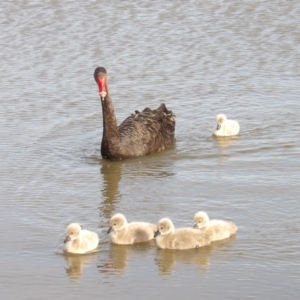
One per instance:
[(216, 229), (182, 238), (226, 127), (80, 241), (135, 232)]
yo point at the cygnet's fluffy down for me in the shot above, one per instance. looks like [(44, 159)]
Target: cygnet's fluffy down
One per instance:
[(80, 241), (216, 229), (226, 127), (182, 238), (135, 232)]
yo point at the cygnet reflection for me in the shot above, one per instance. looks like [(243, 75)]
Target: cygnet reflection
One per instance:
[(77, 263), (224, 142), (203, 257), (121, 255), (224, 145)]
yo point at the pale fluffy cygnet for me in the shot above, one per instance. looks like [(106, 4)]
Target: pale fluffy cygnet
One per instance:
[(80, 241), (216, 229), (182, 238), (226, 127), (135, 232)]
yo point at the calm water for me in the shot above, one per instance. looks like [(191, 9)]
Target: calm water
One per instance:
[(201, 58)]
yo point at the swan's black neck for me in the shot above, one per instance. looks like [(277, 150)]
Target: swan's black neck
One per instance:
[(111, 138)]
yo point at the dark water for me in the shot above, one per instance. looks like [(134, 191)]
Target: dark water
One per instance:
[(201, 58)]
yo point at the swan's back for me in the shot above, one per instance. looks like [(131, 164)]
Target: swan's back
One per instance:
[(147, 132), (141, 231), (219, 230), (90, 241), (187, 238), (183, 238)]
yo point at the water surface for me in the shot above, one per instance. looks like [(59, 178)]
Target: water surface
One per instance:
[(240, 58)]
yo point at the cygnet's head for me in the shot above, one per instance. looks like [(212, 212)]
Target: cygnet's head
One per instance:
[(164, 227), (221, 118), (117, 222), (201, 219), (73, 232)]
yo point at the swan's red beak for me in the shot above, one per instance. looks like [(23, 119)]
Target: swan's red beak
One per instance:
[(102, 87)]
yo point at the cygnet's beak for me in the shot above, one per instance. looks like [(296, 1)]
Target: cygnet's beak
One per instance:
[(156, 233), (218, 126), (109, 230), (195, 226), (67, 239)]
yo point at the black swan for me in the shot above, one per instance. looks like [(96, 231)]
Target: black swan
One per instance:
[(143, 133)]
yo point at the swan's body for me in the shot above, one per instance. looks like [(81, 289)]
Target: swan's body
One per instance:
[(226, 127), (216, 229), (125, 233), (80, 241), (143, 133), (183, 238)]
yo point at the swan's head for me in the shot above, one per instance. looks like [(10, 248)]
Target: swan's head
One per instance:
[(221, 118), (100, 78), (201, 219), (117, 223), (164, 227), (73, 232)]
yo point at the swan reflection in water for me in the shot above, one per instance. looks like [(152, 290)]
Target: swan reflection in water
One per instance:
[(77, 263), (167, 259), (134, 170), (111, 172)]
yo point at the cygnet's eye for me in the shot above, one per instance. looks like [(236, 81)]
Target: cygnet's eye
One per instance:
[(115, 224)]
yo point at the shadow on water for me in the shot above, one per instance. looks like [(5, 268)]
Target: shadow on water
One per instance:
[(77, 263), (167, 259), (112, 174)]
